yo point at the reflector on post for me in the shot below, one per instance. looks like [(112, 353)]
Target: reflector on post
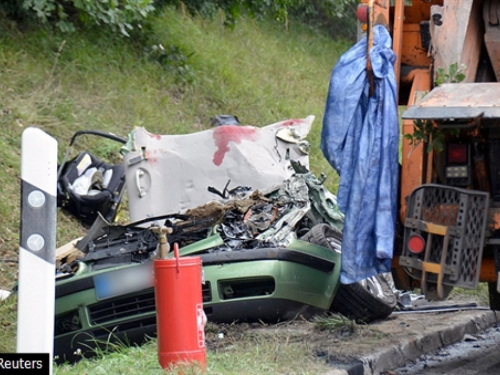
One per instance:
[(36, 291), (416, 244)]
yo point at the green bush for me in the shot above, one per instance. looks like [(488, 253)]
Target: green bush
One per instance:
[(334, 16), (119, 15)]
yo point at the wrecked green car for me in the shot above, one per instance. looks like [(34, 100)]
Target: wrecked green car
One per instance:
[(269, 253)]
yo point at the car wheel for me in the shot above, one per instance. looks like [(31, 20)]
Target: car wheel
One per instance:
[(326, 236), (364, 301)]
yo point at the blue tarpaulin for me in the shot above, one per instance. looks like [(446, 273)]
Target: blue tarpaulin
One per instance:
[(360, 139)]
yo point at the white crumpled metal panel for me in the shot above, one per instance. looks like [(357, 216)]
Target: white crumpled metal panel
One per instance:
[(170, 173)]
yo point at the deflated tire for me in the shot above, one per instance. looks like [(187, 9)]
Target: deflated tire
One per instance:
[(364, 301)]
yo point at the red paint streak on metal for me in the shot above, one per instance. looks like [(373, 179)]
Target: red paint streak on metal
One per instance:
[(150, 158), (292, 122), (154, 136), (228, 133)]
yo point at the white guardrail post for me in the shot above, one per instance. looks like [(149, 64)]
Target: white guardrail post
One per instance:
[(36, 289)]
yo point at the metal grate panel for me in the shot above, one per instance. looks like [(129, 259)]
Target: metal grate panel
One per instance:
[(130, 305), (122, 307), (463, 212)]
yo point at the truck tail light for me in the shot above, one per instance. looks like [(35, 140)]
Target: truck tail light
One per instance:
[(362, 16), (362, 13), (416, 244), (457, 164), (457, 154)]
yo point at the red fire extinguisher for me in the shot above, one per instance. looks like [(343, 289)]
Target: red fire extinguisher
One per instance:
[(179, 310)]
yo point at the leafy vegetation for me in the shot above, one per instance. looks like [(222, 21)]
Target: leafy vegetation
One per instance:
[(119, 15), (453, 75), (127, 16), (425, 131)]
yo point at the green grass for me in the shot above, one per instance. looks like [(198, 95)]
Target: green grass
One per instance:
[(62, 83), (8, 325), (335, 322), (480, 294), (255, 350), (253, 354)]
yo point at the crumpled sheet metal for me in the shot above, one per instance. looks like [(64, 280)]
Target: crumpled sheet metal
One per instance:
[(295, 193), (360, 139), (171, 173), (272, 217)]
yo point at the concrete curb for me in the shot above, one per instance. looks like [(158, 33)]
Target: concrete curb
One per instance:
[(404, 352)]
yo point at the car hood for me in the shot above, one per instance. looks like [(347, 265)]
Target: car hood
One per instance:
[(172, 173)]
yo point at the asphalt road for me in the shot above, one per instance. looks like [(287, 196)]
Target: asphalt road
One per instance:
[(475, 355)]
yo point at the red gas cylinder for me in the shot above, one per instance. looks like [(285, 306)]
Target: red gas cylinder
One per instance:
[(179, 311)]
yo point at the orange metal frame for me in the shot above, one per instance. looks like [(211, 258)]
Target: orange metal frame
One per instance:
[(403, 21)]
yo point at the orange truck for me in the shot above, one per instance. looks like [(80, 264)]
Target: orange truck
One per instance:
[(447, 71)]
